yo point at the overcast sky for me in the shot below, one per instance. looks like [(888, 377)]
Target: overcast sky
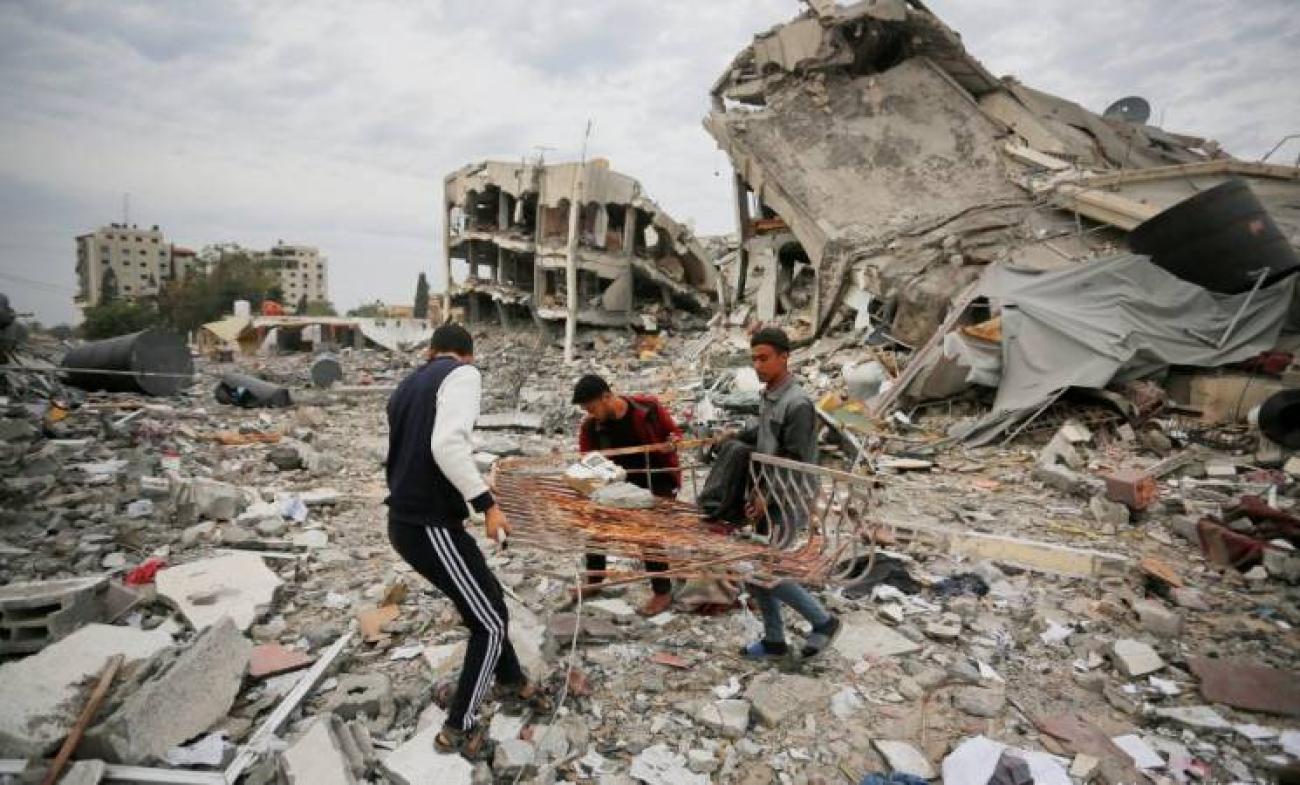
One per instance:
[(333, 123)]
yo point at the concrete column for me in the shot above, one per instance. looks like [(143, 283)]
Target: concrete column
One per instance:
[(501, 265), (446, 252), (744, 231), (629, 231), (503, 211), (571, 265)]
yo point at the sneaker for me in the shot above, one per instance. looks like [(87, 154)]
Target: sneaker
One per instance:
[(764, 650), (821, 638), (473, 744)]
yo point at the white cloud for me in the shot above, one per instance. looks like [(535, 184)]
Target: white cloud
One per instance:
[(334, 123)]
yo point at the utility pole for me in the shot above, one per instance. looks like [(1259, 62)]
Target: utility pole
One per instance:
[(571, 266)]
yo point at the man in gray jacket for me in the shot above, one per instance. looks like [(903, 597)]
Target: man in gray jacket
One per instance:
[(787, 428)]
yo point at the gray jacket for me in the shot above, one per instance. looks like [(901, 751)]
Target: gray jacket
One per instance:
[(787, 424)]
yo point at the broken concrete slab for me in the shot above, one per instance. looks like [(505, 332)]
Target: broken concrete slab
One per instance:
[(240, 586), (904, 758), (1159, 620), (1134, 658), (514, 758), (1194, 717), (197, 686), (42, 694), (728, 717), (776, 697), (1248, 685), (314, 758), (35, 614), (417, 761), (862, 636), (980, 702)]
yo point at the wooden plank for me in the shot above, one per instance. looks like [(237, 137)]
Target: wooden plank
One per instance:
[(87, 715)]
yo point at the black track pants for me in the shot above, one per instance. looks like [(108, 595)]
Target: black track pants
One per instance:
[(450, 559)]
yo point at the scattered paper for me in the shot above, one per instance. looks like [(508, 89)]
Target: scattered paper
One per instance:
[(207, 751)]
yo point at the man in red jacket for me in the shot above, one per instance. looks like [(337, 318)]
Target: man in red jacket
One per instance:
[(615, 421)]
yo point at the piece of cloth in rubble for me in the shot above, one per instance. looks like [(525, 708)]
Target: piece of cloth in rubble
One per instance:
[(1113, 319), (727, 487), (1012, 770), (962, 584), (886, 569)]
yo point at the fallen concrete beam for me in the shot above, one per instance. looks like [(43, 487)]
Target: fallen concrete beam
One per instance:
[(183, 699), (1029, 554)]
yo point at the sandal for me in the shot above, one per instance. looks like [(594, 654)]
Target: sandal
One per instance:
[(473, 744), (514, 702)]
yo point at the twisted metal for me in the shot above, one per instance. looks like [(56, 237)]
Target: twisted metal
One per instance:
[(808, 524)]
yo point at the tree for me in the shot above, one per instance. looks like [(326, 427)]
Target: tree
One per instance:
[(421, 308), (368, 310), (301, 310), (186, 305), (317, 308), (118, 317)]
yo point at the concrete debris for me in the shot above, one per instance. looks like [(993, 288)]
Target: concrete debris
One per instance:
[(239, 586), (624, 495), (42, 693), (862, 636), (903, 758), (367, 696), (197, 685), (315, 758), (417, 761), (728, 717), (85, 772), (1195, 717), (776, 698), (35, 614), (659, 765), (1134, 658)]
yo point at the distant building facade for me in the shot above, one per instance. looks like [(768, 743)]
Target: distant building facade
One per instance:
[(302, 271), (127, 262), (120, 260)]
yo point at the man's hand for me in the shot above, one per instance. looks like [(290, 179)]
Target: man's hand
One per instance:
[(498, 528)]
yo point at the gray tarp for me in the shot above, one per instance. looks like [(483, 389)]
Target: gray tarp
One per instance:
[(1114, 319)]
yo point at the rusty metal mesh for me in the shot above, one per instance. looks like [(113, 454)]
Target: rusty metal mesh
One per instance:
[(809, 524)]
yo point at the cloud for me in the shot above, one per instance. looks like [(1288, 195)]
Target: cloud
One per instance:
[(334, 123)]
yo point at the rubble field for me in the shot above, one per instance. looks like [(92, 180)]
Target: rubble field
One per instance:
[(231, 555)]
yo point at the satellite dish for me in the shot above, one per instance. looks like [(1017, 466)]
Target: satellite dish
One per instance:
[(1133, 109)]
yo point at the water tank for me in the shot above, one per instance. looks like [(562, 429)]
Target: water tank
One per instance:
[(243, 308), (325, 371), (153, 362), (1218, 239)]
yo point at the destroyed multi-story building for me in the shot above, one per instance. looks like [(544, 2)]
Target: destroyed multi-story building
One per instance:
[(880, 169), (509, 225)]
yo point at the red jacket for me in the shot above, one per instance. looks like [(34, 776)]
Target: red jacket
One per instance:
[(651, 424)]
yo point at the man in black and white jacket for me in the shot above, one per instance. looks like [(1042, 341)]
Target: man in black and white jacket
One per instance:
[(432, 481)]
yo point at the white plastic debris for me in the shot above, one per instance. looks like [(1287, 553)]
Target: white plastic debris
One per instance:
[(976, 758)]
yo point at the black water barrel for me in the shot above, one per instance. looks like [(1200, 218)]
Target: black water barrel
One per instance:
[(1218, 239), (1279, 418), (325, 371), (250, 392), (136, 358)]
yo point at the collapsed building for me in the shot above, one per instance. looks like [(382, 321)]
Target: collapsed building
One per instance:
[(881, 170), (509, 224)]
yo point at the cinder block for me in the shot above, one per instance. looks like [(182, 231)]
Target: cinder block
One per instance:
[(34, 615), (1134, 489)]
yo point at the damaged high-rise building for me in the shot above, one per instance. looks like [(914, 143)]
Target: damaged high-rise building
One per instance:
[(509, 224), (880, 168)]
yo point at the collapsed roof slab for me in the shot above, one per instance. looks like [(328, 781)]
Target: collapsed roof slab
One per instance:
[(856, 159)]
